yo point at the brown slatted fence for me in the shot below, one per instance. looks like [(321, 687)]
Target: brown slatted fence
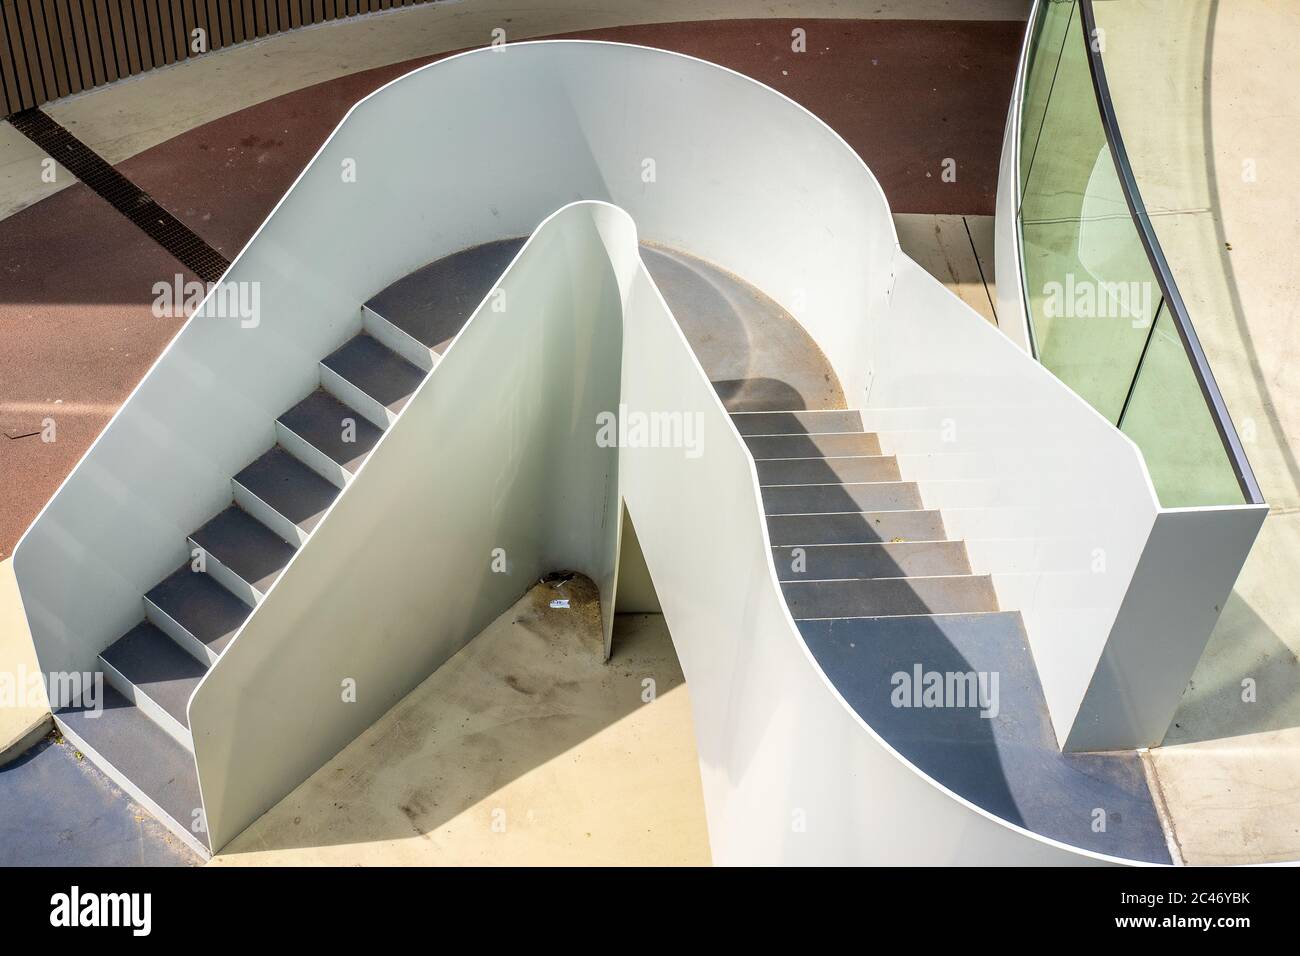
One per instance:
[(51, 48)]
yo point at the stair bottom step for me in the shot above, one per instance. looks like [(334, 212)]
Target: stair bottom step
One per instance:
[(141, 758), (958, 696), (890, 597)]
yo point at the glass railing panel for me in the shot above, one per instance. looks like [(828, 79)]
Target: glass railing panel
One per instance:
[(1097, 307), (1168, 418), (1089, 285), (1047, 41)]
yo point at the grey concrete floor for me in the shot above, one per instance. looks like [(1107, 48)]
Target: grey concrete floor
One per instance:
[(60, 810), (757, 355), (525, 748)]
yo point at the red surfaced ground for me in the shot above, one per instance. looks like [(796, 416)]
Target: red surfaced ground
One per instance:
[(76, 277)]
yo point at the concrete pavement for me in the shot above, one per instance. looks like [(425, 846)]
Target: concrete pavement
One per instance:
[(525, 748)]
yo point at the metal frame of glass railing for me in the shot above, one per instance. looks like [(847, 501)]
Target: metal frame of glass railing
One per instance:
[(1173, 301)]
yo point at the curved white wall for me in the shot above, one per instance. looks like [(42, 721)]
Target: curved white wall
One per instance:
[(791, 774)]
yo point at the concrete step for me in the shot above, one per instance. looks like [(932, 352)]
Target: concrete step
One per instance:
[(315, 431), (284, 494), (1004, 756), (434, 302), (141, 758), (374, 380), (149, 669), (886, 597), (840, 498), (399, 340), (824, 562), (196, 612), (817, 471), (243, 554), (813, 446), (862, 528), (797, 423)]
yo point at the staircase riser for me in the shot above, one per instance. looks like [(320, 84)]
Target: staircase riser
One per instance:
[(354, 397), (313, 458), (187, 641), (264, 513), (390, 336), (228, 579)]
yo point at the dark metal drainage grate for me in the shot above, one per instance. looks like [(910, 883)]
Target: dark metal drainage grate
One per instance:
[(124, 196)]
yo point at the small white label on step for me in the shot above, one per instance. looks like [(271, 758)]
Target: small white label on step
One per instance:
[(560, 602)]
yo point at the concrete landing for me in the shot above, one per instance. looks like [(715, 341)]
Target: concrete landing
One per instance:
[(758, 357), (60, 810), (1008, 762), (434, 302)]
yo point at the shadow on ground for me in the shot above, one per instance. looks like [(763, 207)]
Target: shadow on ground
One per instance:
[(525, 748)]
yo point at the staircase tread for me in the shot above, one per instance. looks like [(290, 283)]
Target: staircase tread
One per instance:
[(880, 559), (839, 498), (200, 605), (839, 469), (1008, 763), (158, 667), (889, 597), (434, 302), (289, 487), (863, 527), (141, 751), (802, 422), (377, 370), (813, 445), (318, 420), (246, 546)]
